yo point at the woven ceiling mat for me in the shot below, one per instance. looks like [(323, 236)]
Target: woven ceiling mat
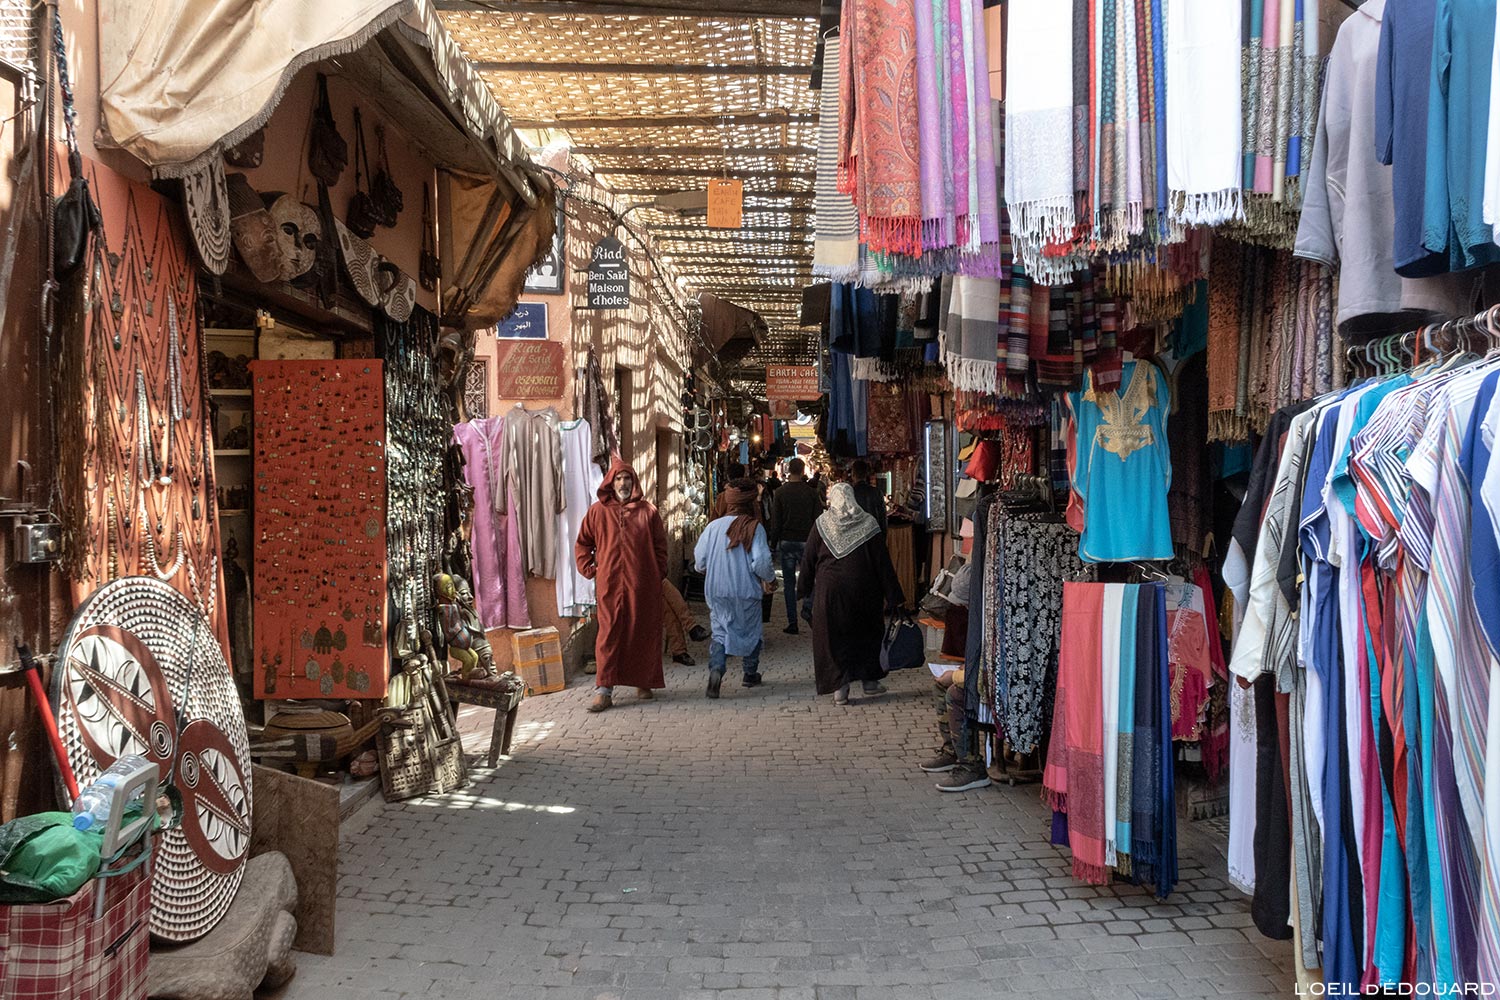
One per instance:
[(527, 94), (741, 135), (666, 159), (661, 105), (499, 37)]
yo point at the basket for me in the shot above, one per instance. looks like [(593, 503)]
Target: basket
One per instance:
[(58, 951), (537, 660)]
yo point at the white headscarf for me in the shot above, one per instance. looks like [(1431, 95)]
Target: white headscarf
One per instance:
[(845, 525)]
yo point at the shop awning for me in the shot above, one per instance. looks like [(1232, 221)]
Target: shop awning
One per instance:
[(730, 331), (182, 80)]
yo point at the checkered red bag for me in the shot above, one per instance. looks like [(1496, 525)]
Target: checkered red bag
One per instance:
[(58, 951)]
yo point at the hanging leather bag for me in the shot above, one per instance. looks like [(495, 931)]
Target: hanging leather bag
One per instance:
[(429, 268), (362, 216), (387, 196), (328, 152), (75, 217)]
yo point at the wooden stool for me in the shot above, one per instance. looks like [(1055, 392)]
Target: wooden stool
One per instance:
[(506, 701)]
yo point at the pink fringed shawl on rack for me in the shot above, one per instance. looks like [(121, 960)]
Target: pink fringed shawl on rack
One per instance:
[(1074, 775), (878, 128)]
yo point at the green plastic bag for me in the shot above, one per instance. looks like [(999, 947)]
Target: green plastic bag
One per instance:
[(43, 858)]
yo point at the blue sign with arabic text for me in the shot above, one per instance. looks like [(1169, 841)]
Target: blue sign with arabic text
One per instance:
[(528, 322)]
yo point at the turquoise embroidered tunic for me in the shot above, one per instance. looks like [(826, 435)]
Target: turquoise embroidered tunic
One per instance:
[(1122, 469)]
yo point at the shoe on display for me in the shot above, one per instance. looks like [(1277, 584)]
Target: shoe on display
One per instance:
[(698, 633), (964, 777), (601, 703), (686, 659), (715, 678), (943, 760)]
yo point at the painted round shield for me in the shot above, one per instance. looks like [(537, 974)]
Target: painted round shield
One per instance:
[(140, 671)]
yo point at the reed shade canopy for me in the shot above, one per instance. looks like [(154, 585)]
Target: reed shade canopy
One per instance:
[(659, 97)]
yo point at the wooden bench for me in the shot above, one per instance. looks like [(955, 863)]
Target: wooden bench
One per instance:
[(506, 701)]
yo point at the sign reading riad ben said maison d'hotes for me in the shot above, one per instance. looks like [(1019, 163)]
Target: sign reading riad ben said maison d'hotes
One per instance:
[(609, 276)]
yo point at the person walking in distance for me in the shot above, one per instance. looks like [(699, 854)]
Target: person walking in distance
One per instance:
[(866, 493), (680, 625), (622, 547), (848, 573), (794, 509), (735, 559)]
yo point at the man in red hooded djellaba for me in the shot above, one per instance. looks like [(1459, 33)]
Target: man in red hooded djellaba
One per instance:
[(622, 547)]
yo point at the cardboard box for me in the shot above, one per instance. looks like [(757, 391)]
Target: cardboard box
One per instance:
[(537, 660)]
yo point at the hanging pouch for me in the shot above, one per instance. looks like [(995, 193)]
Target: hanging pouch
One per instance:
[(429, 268), (363, 215), (75, 217), (387, 196), (328, 152), (74, 214)]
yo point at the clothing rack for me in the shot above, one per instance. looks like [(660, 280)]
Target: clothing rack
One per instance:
[(1397, 351)]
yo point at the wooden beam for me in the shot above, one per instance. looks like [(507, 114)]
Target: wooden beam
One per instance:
[(795, 255), (739, 10), (749, 192), (702, 227), (668, 121), (645, 69), (790, 175), (700, 213), (664, 150)]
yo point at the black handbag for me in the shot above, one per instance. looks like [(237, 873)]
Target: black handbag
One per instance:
[(383, 190), (429, 268), (362, 216), (902, 648), (75, 217), (328, 152)]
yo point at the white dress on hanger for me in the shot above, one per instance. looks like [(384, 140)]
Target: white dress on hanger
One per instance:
[(581, 479)]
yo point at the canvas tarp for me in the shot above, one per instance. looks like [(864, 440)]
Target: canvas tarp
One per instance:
[(182, 78)]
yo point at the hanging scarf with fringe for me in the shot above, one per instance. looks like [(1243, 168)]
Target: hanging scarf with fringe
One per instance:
[(1074, 774), (836, 243), (878, 158), (1203, 133), (1039, 151)]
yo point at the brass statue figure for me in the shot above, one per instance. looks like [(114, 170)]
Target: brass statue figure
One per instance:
[(461, 629)]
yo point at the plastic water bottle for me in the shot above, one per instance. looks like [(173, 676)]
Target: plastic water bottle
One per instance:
[(92, 808)]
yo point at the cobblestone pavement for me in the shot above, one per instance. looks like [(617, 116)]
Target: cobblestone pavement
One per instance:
[(767, 846)]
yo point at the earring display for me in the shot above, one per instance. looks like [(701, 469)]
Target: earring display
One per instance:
[(320, 515)]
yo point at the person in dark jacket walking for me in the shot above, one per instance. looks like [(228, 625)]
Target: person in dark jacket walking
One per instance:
[(794, 509), (848, 573), (867, 493)]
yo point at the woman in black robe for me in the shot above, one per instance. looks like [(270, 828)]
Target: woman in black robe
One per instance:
[(847, 571)]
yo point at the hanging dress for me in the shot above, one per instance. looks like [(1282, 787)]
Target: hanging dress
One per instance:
[(581, 477)]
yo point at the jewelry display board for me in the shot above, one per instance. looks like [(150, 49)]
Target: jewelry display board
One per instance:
[(419, 429), (141, 672), (135, 467), (320, 510)]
